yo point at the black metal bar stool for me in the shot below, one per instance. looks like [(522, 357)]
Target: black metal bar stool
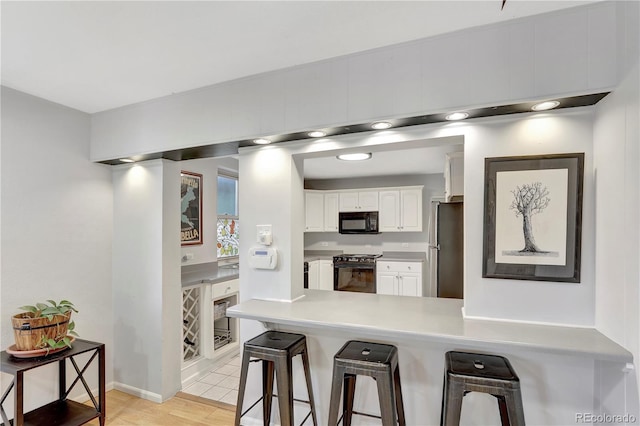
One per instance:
[(276, 349), (368, 359), (492, 374)]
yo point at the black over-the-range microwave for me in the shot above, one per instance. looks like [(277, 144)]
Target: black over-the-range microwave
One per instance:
[(358, 223)]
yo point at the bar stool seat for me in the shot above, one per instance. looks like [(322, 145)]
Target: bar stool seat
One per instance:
[(375, 360), (276, 350), (470, 372)]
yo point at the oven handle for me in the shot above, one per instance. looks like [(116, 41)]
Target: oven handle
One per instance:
[(355, 265)]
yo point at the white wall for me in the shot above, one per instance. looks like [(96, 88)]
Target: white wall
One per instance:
[(146, 279), (572, 51), (531, 134), (524, 134), (617, 155), (208, 168), (56, 225), (271, 193)]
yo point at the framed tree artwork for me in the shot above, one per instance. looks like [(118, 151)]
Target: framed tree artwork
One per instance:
[(191, 208), (533, 217)]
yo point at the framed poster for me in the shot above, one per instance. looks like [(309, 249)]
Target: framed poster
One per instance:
[(533, 217), (191, 208)]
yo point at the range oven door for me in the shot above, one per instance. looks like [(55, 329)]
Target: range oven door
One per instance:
[(355, 277)]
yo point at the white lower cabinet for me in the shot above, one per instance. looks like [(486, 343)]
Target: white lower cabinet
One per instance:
[(321, 275), (314, 274), (399, 278), (325, 281), (221, 331)]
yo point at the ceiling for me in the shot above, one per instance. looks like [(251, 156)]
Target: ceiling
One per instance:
[(95, 56), (383, 162)]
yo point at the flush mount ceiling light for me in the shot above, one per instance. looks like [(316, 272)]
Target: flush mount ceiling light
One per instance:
[(359, 156), (127, 160), (381, 125), (457, 116), (543, 106), (317, 134), (262, 141)]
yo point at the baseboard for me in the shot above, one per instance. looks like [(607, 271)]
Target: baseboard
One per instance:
[(140, 393)]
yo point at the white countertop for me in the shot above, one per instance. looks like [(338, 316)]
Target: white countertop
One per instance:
[(207, 273), (438, 320)]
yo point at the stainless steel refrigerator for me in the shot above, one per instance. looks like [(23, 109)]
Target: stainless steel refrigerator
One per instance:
[(446, 254)]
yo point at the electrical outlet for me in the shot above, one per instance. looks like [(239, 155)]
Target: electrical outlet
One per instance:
[(188, 256), (324, 244)]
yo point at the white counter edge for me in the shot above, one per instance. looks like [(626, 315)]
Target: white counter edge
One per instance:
[(455, 330)]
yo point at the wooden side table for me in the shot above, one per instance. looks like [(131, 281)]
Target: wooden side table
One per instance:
[(62, 411)]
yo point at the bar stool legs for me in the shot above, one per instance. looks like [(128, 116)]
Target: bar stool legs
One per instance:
[(275, 350), (369, 359), (492, 374)]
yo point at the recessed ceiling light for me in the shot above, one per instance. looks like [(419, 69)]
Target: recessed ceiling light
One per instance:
[(457, 116), (543, 106), (127, 160), (262, 141), (359, 156), (317, 134), (381, 125)]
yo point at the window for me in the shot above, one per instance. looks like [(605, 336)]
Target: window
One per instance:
[(228, 236)]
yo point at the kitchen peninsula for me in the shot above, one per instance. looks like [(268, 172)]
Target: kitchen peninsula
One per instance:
[(424, 329)]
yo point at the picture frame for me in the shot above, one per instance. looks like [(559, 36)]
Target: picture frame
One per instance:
[(533, 217), (191, 208)]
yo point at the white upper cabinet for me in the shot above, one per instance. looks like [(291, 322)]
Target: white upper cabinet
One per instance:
[(411, 210), (453, 175), (360, 201), (389, 219), (331, 212), (401, 210), (314, 211)]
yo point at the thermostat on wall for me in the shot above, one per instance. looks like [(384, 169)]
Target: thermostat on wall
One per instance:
[(263, 258)]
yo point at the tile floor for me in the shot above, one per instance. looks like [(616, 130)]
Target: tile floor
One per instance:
[(221, 384)]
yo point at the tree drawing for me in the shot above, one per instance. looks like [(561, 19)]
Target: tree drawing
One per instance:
[(528, 200)]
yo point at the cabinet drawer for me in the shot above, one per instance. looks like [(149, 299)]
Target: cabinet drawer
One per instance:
[(399, 266), (225, 288)]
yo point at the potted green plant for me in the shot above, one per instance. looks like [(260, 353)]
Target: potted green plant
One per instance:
[(44, 326)]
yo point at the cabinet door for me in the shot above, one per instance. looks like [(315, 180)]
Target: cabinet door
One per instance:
[(368, 201), (325, 281), (410, 285), (389, 211), (411, 210), (386, 283), (453, 175), (331, 212), (314, 274), (314, 211), (348, 201)]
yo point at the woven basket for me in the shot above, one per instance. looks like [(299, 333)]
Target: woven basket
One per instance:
[(28, 331)]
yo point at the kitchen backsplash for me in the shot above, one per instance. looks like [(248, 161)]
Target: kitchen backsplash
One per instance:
[(366, 243)]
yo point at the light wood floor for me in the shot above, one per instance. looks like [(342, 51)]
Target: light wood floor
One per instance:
[(124, 410)]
